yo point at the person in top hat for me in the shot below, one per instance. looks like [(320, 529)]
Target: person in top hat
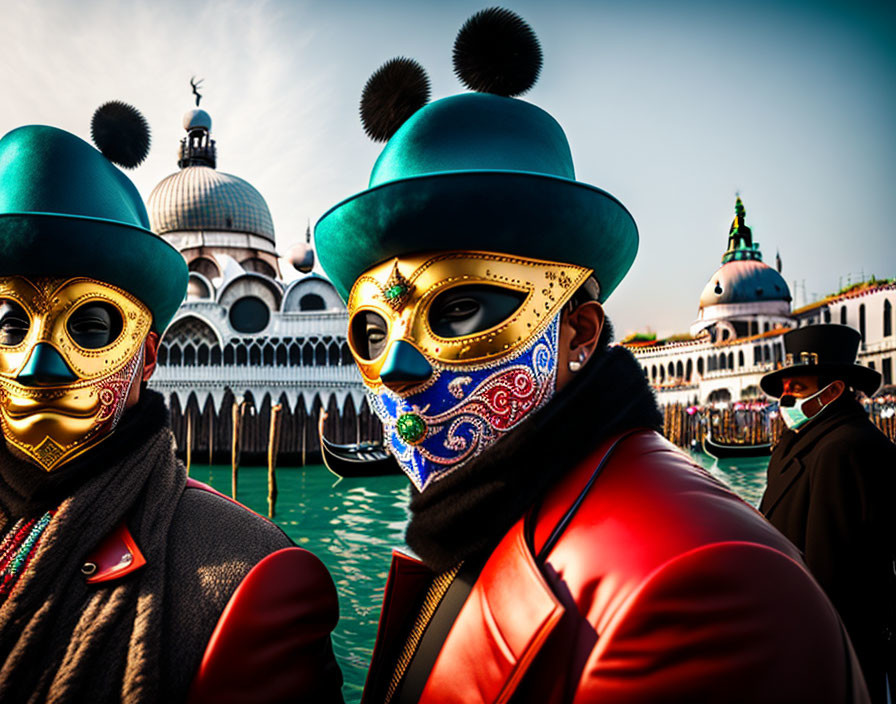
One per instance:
[(566, 551), (831, 481), (120, 579)]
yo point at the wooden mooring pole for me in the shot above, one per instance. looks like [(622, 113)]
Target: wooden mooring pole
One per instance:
[(189, 439), (237, 412), (273, 449)]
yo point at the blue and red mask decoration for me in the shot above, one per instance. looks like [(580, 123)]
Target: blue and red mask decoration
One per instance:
[(460, 412), (445, 396)]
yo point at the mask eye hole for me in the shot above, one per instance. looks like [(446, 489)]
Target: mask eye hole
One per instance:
[(95, 324), (14, 323), (369, 334), (465, 310)]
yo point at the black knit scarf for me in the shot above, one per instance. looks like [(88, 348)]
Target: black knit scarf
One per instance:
[(469, 511), (61, 639), (26, 490)]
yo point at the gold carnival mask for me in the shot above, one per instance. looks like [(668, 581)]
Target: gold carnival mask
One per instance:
[(51, 423), (402, 290)]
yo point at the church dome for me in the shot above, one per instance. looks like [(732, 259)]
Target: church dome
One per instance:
[(744, 281), (743, 276), (201, 198)]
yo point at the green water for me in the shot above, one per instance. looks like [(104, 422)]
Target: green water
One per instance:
[(353, 524)]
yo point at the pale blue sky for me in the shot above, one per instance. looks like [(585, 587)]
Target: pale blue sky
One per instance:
[(672, 107)]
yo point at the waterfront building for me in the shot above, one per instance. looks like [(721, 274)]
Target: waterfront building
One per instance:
[(869, 307), (244, 339), (744, 310)]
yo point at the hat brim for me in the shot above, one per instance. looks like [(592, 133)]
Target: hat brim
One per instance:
[(530, 215), (859, 377), (134, 259)]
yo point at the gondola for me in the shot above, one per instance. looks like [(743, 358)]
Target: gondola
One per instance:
[(723, 451), (363, 459)]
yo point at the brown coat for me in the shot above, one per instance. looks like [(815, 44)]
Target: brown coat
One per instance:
[(830, 491)]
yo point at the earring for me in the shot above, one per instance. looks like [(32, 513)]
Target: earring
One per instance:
[(576, 364)]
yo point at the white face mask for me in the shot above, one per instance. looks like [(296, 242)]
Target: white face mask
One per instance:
[(792, 408)]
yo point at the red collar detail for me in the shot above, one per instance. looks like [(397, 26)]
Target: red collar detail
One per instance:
[(116, 556)]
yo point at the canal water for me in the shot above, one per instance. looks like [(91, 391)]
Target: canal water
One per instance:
[(353, 524)]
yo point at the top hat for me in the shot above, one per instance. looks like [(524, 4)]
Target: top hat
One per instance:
[(66, 210), (822, 350), (476, 171)]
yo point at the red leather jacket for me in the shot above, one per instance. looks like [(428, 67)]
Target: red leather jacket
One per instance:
[(664, 587)]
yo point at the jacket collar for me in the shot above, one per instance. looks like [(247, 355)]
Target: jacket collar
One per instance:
[(510, 595), (787, 460)]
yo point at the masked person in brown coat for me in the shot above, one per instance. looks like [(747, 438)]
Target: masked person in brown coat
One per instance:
[(831, 483), (120, 579)]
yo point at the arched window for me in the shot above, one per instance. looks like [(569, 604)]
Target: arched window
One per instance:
[(671, 370), (320, 355), (259, 266), (281, 355), (202, 355), (731, 360), (268, 356), (347, 356), (255, 356), (679, 369), (843, 315), (740, 358), (333, 355), (662, 374), (827, 315), (700, 366), (241, 356), (162, 358), (766, 354), (204, 266), (295, 355), (689, 370), (311, 301), (216, 356), (888, 319), (175, 356), (653, 372), (307, 354), (228, 356), (723, 361)]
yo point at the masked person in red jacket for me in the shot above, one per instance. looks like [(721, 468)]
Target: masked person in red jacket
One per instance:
[(120, 579), (567, 552)]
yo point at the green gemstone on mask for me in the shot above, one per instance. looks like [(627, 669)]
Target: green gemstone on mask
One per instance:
[(411, 428), (396, 291)]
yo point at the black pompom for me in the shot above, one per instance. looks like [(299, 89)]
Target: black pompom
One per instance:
[(497, 52), (395, 91), (121, 133)]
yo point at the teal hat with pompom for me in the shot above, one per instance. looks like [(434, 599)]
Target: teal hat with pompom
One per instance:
[(476, 171), (66, 210)]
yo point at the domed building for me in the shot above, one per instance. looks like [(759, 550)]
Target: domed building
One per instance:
[(744, 295), (744, 310), (244, 340)]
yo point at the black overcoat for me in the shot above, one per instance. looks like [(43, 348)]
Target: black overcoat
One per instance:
[(831, 492)]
